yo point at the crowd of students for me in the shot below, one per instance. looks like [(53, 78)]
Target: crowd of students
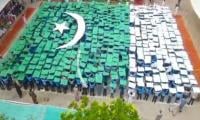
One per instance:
[(8, 15)]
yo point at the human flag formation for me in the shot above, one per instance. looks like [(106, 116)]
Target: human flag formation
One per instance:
[(79, 42), (100, 44)]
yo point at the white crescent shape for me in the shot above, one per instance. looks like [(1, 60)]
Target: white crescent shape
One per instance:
[(79, 33)]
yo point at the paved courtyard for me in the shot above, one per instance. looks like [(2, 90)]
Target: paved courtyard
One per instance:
[(147, 109)]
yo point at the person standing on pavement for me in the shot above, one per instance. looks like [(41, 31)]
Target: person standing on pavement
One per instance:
[(182, 104), (105, 89), (131, 95), (121, 92), (33, 96), (85, 89), (76, 93), (155, 97), (193, 98), (112, 93)]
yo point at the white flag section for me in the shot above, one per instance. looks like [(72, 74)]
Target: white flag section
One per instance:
[(79, 33), (157, 58)]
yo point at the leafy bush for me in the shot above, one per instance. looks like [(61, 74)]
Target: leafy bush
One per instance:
[(116, 110)]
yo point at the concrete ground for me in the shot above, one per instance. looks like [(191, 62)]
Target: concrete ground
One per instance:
[(147, 109)]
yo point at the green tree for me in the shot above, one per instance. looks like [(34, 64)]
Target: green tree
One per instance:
[(3, 117), (116, 110)]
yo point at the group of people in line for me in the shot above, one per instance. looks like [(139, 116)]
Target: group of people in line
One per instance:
[(32, 94), (192, 96)]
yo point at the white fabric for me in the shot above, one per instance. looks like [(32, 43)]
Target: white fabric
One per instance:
[(196, 89), (131, 79), (149, 84), (164, 86), (79, 33), (149, 78), (172, 90), (131, 85), (60, 27), (180, 89), (157, 88)]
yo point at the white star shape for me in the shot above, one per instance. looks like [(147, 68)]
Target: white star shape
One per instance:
[(61, 27)]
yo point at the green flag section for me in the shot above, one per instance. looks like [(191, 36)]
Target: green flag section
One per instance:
[(22, 111), (104, 47)]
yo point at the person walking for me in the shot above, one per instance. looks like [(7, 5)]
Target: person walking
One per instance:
[(33, 96), (193, 98), (182, 104), (18, 88), (159, 116)]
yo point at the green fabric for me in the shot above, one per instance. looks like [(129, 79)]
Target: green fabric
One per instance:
[(36, 73), (113, 85), (20, 77), (91, 79), (64, 82), (122, 72), (106, 38), (3, 73), (21, 68), (99, 78), (123, 82), (56, 79)]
